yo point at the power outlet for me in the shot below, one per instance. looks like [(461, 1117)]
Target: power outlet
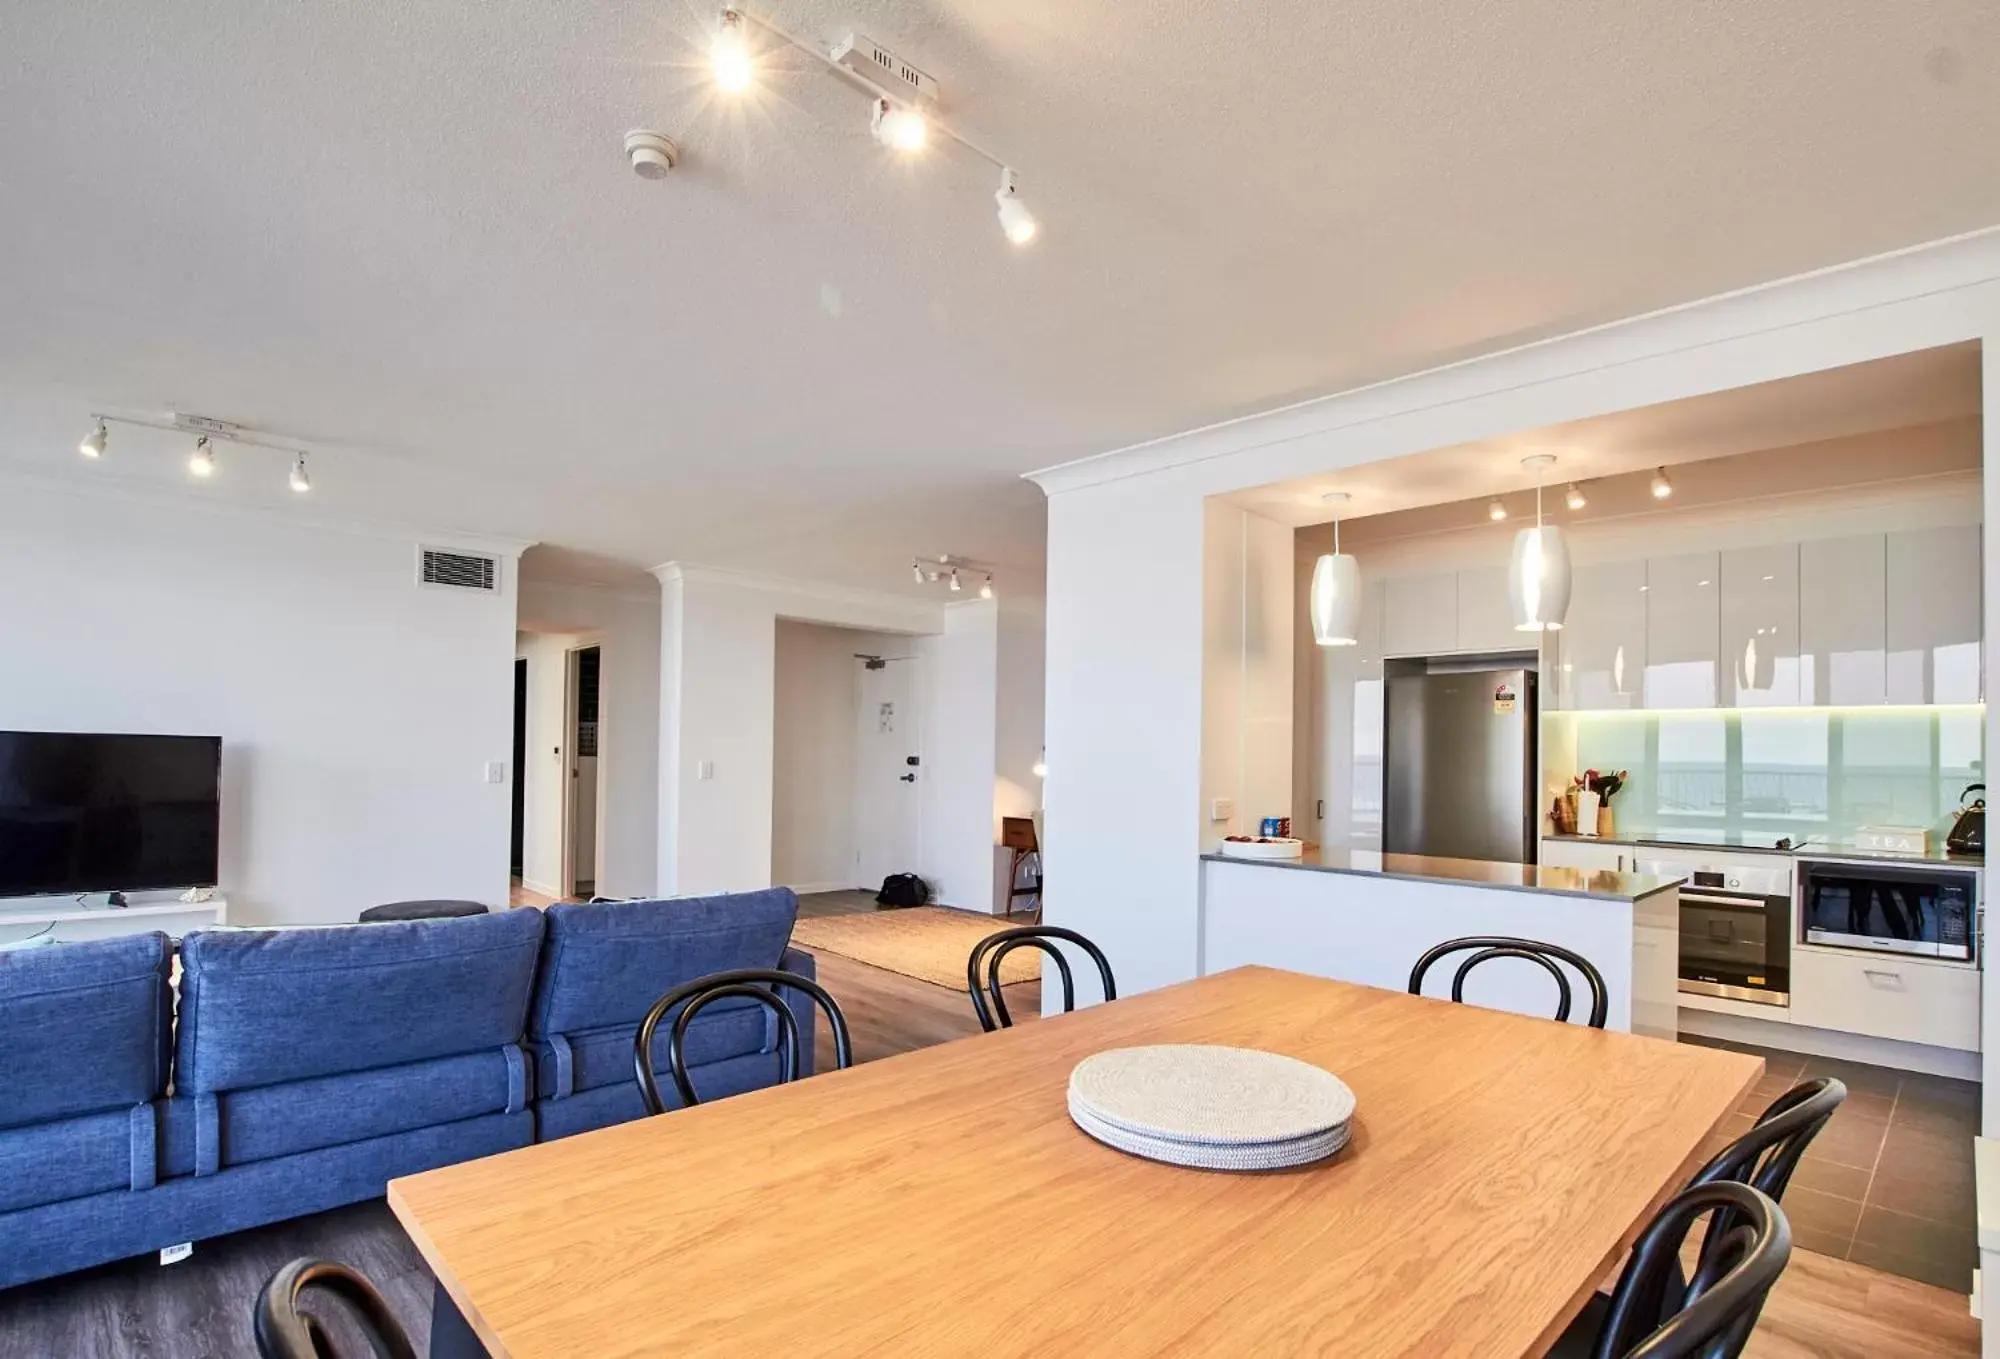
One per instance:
[(1222, 809)]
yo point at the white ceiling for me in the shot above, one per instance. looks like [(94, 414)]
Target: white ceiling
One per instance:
[(1429, 492), (407, 233)]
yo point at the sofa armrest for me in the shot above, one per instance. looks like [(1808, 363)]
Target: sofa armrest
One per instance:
[(803, 1010)]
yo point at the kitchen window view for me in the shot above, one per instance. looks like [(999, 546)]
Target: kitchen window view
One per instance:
[(1816, 774)]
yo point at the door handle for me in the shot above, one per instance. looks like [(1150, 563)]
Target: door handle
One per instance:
[(907, 778)]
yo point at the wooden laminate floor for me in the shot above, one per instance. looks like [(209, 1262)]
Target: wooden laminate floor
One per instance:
[(1823, 1308)]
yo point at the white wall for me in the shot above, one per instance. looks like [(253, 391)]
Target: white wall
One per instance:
[(959, 706), (357, 710), (718, 685), (817, 696), (1125, 665), (625, 627), (1023, 661), (544, 767)]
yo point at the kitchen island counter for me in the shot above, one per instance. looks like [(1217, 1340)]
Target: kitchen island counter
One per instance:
[(1568, 882), (1362, 916)]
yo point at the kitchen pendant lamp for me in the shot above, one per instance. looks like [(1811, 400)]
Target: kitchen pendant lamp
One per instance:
[(1538, 577), (1335, 601)]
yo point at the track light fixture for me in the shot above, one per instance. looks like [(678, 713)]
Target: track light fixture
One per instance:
[(903, 103), (951, 572), (1016, 221), (1574, 497), (1495, 511), (986, 587), (729, 59), (953, 584), (899, 127), (1662, 488), (201, 459)]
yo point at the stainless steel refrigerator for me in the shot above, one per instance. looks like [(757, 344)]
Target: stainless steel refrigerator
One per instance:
[(1459, 765)]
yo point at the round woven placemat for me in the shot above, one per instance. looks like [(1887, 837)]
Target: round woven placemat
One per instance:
[(1211, 1096)]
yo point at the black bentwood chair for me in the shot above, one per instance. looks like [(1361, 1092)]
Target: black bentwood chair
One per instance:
[(1655, 1313), (756, 984), (285, 1332), (1500, 946), (991, 1005)]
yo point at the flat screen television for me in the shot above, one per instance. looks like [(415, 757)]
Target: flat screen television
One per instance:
[(92, 812)]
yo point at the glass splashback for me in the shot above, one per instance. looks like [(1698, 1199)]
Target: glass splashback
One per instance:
[(1818, 773)]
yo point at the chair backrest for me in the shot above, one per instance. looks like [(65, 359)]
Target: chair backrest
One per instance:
[(1490, 946), (756, 984), (988, 1000), (1767, 1155), (1655, 1314), (285, 1332)]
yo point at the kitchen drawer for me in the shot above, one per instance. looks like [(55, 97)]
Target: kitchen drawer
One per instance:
[(1912, 1000), (1607, 857)]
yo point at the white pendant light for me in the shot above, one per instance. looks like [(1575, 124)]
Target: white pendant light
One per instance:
[(1335, 601), (1538, 577)]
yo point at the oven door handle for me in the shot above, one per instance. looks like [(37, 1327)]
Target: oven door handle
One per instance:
[(1745, 903)]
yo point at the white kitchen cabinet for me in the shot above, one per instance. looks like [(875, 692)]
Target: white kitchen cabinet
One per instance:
[(1934, 603), (1419, 615), (1601, 649), (1913, 1000), (1608, 857), (1758, 609), (1683, 632), (1486, 615), (1843, 621)]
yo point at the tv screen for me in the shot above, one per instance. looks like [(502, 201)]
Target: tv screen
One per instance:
[(103, 813)]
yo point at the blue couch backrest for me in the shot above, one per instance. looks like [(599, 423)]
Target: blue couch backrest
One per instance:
[(604, 964), (83, 1027), (263, 1006)]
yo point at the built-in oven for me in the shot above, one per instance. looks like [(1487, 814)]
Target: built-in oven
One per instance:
[(1736, 925), (1925, 909)]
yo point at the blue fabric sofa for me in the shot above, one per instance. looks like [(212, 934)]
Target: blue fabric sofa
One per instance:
[(603, 966), (309, 1067)]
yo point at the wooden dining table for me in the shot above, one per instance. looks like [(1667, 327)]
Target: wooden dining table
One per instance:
[(942, 1202)]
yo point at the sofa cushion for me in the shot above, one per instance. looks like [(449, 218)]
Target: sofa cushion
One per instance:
[(605, 963), (71, 1157), (83, 1027), (604, 1056), (327, 1111), (261, 1007)]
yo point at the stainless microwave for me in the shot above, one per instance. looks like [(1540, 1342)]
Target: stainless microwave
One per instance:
[(1884, 907)]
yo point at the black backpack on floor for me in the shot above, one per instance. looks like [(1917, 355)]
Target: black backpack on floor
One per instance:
[(903, 889)]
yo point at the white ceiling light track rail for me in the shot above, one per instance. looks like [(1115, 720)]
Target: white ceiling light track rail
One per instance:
[(903, 105), (201, 462), (954, 573)]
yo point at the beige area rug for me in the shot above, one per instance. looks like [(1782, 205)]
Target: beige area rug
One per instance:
[(929, 943)]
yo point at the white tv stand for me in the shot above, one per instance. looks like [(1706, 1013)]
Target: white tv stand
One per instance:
[(64, 920)]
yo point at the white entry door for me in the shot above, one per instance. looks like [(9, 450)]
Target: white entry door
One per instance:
[(889, 772)]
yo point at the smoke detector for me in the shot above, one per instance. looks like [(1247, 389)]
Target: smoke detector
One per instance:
[(652, 153)]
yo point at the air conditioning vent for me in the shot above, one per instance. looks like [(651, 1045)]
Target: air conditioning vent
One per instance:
[(458, 570)]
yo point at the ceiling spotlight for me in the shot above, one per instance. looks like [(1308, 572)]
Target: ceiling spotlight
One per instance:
[(899, 127), (986, 588), (954, 586), (1015, 220), (917, 572), (201, 462), (300, 481), (1662, 488), (1496, 511), (1574, 499), (729, 59), (93, 442)]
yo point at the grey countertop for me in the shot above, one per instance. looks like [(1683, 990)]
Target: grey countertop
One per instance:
[(1569, 882), (1809, 850)]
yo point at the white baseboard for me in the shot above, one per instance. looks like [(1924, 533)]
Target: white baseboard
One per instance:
[(1850, 1047), (808, 888), (541, 888)]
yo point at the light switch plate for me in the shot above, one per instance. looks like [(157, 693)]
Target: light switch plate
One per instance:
[(1222, 809), (704, 769), (496, 771)]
